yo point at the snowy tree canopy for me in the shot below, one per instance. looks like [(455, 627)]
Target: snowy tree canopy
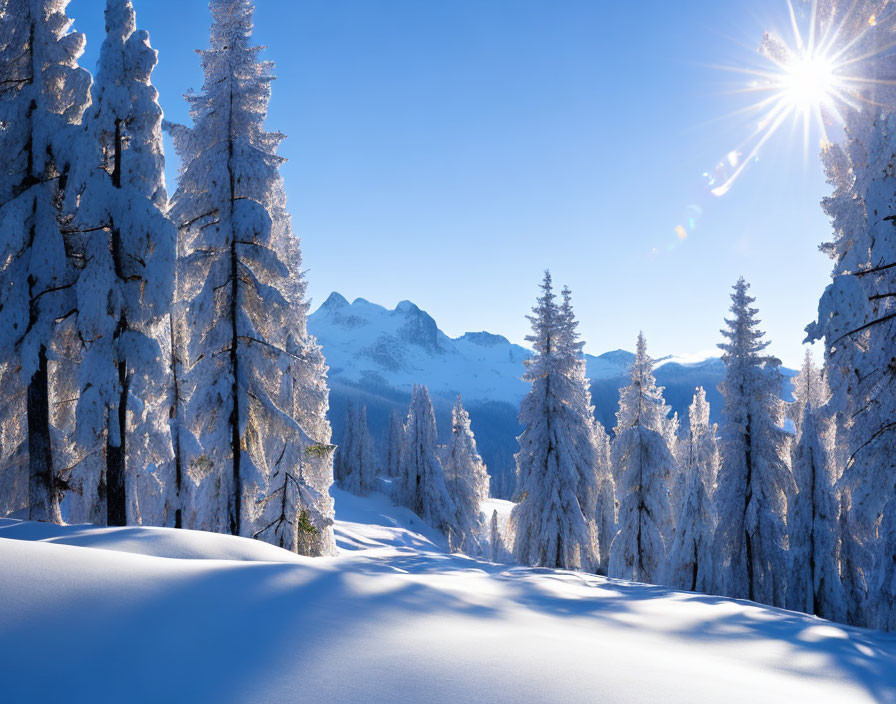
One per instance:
[(124, 291), (809, 389), (421, 480), (814, 584), (605, 514), (392, 448), (467, 481), (254, 377), (43, 94), (689, 564), (857, 323), (553, 525), (355, 464), (642, 463), (755, 480)]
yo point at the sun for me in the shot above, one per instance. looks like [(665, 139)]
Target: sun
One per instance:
[(809, 83), (808, 79)]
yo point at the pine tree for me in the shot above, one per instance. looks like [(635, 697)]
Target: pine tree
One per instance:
[(297, 511), (13, 448), (755, 480), (814, 578), (124, 290), (497, 548), (467, 482), (43, 94), (553, 524), (857, 323), (855, 557), (392, 458), (690, 555), (605, 516), (643, 463), (254, 378), (809, 388), (421, 482), (355, 468)]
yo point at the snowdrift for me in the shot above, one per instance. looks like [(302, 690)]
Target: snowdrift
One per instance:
[(153, 614)]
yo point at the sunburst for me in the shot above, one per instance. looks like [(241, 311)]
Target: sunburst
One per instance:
[(809, 79)]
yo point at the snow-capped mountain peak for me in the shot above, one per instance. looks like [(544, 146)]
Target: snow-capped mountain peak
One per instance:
[(366, 344)]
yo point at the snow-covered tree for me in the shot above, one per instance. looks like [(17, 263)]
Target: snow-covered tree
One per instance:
[(857, 323), (672, 432), (755, 480), (643, 463), (813, 523), (253, 376), (605, 514), (467, 481), (125, 287), (355, 466), (553, 524), (421, 481), (43, 94), (497, 549), (392, 449), (297, 511), (809, 387), (13, 448), (689, 565)]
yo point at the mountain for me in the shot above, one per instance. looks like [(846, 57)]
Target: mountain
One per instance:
[(367, 345), (377, 355)]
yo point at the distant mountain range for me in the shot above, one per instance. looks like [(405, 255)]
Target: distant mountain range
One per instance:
[(377, 355)]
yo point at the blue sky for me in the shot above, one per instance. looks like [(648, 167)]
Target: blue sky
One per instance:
[(448, 152)]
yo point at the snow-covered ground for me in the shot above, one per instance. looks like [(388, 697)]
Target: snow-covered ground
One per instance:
[(151, 614)]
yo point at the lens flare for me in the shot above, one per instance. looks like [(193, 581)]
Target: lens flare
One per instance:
[(811, 78)]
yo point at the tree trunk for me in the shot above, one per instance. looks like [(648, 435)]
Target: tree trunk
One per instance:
[(235, 439), (116, 491), (174, 415), (748, 494), (42, 495)]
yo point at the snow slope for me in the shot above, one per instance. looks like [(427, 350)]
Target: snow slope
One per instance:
[(92, 615)]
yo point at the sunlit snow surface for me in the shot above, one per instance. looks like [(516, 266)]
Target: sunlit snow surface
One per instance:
[(148, 615)]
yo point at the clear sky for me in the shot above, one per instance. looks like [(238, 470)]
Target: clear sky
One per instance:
[(447, 152)]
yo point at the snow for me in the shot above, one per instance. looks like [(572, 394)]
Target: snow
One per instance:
[(102, 615), (364, 342), (369, 345)]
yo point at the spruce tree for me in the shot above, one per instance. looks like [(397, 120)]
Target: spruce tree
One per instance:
[(809, 388), (553, 524), (253, 376), (125, 287), (812, 521), (467, 481), (498, 552), (755, 480), (43, 95), (689, 563), (643, 464), (392, 452), (857, 323), (605, 516), (421, 482), (355, 467)]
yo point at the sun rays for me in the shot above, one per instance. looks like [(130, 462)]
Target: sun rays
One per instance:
[(823, 68)]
